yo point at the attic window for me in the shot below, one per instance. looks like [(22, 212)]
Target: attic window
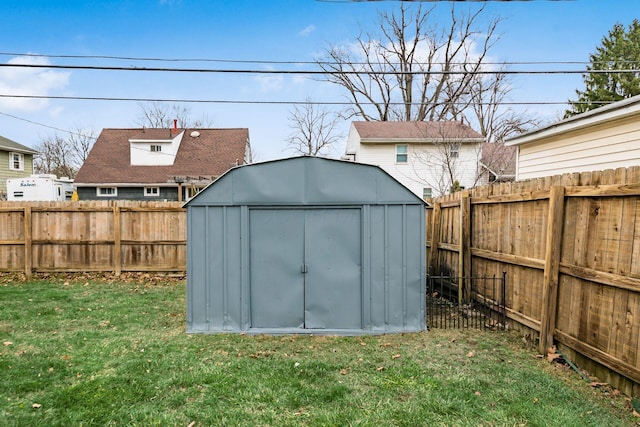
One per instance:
[(156, 148)]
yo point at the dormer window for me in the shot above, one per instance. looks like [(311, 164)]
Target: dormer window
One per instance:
[(148, 151)]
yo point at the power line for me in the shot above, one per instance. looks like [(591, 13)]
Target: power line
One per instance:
[(257, 102), (272, 62), (316, 72), (44, 125)]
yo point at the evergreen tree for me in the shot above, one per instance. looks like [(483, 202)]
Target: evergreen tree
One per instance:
[(620, 50)]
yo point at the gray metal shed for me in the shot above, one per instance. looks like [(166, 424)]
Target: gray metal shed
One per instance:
[(306, 245)]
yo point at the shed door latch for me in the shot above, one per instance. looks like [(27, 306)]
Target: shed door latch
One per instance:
[(303, 269)]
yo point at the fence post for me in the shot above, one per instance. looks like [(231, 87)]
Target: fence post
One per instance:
[(551, 268), (435, 232), (464, 256), (117, 245), (28, 243)]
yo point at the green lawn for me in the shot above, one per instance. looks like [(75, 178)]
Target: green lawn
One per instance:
[(105, 351)]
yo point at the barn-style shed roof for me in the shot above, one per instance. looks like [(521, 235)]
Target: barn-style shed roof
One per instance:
[(303, 181)]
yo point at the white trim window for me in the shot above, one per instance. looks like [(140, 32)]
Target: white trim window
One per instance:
[(151, 191), (107, 191), (16, 161), (402, 151), (455, 150)]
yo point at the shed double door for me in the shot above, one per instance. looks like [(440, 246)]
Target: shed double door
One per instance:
[(305, 268)]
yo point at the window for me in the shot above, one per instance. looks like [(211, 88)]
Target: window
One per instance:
[(401, 154), (151, 191), (156, 148), (16, 161), (455, 150), (18, 194), (426, 193), (107, 191)]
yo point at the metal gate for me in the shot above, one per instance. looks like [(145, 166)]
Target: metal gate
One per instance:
[(466, 302)]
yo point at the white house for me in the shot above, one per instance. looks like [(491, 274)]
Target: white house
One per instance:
[(605, 138), (429, 158)]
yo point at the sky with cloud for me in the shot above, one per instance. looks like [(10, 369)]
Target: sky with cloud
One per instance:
[(272, 35)]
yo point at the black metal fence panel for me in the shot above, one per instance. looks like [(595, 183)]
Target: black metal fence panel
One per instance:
[(466, 302)]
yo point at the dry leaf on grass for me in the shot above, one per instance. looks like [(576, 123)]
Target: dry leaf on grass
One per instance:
[(552, 356), (597, 384)]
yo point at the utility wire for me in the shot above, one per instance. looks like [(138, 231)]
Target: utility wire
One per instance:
[(315, 72), (228, 101), (271, 62), (46, 126)]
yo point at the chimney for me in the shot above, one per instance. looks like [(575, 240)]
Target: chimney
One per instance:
[(175, 125)]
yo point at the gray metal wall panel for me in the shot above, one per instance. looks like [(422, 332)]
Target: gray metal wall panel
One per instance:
[(415, 260), (233, 268), (379, 281), (213, 258), (396, 268), (197, 272), (333, 282)]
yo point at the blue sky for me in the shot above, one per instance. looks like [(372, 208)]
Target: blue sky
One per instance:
[(248, 30)]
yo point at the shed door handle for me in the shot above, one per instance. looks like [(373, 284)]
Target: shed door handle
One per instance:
[(303, 269)]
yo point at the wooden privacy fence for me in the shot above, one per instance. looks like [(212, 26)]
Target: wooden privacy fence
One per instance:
[(92, 236), (570, 246)]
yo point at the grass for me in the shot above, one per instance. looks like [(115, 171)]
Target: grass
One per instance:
[(106, 351)]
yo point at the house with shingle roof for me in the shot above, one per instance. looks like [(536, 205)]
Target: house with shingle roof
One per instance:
[(16, 161), (159, 164), (429, 158), (498, 162)]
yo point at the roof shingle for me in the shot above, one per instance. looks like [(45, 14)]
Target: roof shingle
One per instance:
[(415, 130), (210, 154)]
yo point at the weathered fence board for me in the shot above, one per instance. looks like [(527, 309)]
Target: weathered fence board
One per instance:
[(92, 236), (571, 247)]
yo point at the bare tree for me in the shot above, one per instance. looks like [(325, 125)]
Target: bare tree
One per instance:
[(415, 70), (314, 129), (158, 115), (63, 156), (487, 94), (448, 161)]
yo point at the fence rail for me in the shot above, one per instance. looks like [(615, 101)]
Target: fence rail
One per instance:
[(570, 245), (92, 236)]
